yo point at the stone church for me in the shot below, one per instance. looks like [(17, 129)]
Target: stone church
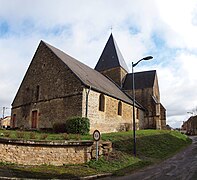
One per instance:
[(56, 86)]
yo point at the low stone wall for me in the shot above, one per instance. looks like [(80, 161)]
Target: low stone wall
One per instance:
[(104, 148), (50, 153)]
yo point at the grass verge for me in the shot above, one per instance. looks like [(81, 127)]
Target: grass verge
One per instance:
[(152, 146)]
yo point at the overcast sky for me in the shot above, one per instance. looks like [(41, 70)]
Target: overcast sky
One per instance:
[(165, 29)]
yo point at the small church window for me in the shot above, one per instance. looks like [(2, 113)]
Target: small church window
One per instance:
[(120, 108), (37, 92), (138, 113), (101, 102)]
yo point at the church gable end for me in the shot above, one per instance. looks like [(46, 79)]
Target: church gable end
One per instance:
[(50, 92), (46, 78)]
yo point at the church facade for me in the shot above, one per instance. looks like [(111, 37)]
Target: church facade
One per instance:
[(57, 86)]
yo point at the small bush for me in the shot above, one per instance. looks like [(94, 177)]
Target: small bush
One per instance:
[(6, 134), (32, 135), (46, 130), (78, 125), (59, 128), (128, 126), (65, 136), (43, 136), (78, 137), (121, 128), (20, 134)]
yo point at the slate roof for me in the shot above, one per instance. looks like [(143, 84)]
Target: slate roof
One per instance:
[(90, 77), (111, 57), (144, 79)]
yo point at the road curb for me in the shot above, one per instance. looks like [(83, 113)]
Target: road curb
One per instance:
[(95, 176)]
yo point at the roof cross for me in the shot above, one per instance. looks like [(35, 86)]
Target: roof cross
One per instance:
[(111, 28)]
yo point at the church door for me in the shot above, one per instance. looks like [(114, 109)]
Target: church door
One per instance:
[(34, 119)]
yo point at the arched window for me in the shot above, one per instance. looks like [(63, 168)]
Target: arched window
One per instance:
[(120, 108), (101, 103), (138, 113)]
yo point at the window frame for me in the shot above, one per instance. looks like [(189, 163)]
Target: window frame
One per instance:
[(120, 108), (102, 103)]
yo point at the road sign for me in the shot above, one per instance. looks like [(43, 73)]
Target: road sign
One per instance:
[(96, 135)]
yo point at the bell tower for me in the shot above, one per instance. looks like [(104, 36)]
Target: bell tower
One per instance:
[(111, 62)]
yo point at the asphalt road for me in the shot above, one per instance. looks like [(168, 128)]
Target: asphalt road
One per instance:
[(182, 166)]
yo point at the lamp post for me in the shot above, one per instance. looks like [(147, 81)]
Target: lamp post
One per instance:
[(133, 92)]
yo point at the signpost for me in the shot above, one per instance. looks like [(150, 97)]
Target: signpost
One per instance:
[(96, 137)]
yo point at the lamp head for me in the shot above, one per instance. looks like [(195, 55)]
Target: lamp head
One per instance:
[(147, 58)]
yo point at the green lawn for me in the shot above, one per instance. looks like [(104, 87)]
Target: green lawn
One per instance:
[(36, 135), (152, 147)]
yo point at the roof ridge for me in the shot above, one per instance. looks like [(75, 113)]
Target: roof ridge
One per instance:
[(90, 77), (121, 61), (143, 71)]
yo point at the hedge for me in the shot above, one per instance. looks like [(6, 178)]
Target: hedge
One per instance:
[(74, 125), (78, 125)]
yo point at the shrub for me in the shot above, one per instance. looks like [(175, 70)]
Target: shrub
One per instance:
[(78, 137), (65, 136), (59, 127), (127, 126), (46, 130), (78, 125), (6, 134), (20, 134), (32, 135), (43, 136)]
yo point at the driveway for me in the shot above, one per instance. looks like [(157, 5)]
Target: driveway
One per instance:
[(182, 166)]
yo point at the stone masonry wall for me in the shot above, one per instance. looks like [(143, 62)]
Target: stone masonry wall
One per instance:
[(109, 120), (116, 74), (49, 87), (163, 117), (49, 112), (50, 153)]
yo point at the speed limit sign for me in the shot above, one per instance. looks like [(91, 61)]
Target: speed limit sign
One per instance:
[(96, 135)]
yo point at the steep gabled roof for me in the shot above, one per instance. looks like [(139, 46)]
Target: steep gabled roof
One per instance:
[(144, 79), (111, 57), (90, 77)]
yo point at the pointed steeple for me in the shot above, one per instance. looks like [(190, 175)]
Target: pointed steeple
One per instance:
[(111, 57), (111, 63)]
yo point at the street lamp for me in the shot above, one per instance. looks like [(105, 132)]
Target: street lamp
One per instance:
[(133, 92)]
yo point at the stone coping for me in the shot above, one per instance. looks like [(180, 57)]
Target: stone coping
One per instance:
[(56, 143)]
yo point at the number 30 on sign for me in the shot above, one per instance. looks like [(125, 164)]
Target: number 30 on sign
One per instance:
[(96, 135)]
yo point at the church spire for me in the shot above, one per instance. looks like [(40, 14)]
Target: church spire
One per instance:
[(111, 57), (111, 63)]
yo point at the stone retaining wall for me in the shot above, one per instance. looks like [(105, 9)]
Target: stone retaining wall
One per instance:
[(50, 153)]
